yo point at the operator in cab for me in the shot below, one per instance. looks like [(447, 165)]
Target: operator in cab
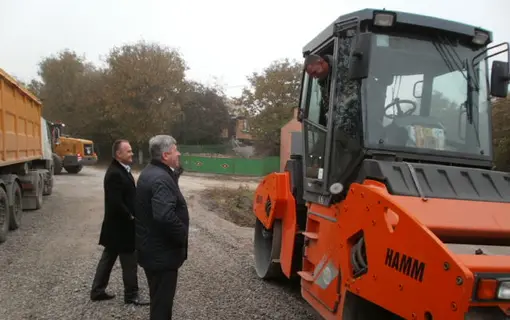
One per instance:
[(319, 67)]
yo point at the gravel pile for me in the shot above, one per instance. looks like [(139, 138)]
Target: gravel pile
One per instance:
[(47, 266)]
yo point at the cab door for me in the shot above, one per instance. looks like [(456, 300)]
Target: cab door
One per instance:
[(315, 132)]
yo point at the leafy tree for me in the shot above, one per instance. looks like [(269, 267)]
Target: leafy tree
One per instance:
[(269, 100), (143, 83), (35, 87), (204, 115), (62, 87)]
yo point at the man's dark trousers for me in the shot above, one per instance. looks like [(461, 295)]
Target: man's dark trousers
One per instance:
[(162, 286), (118, 232), (129, 272)]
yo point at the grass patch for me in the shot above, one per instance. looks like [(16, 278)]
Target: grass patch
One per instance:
[(234, 205)]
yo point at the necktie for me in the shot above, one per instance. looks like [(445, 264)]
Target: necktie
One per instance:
[(128, 169)]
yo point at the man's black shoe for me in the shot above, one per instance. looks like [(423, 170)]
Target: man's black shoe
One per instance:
[(102, 296), (137, 301)]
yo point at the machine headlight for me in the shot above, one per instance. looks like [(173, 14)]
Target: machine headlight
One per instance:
[(384, 18), (504, 290), (490, 289), (481, 37)]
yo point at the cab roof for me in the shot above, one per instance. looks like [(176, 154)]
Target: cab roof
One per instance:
[(401, 18)]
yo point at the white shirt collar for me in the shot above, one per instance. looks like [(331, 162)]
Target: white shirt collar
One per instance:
[(128, 168)]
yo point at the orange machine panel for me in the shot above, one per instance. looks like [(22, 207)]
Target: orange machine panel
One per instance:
[(20, 123)]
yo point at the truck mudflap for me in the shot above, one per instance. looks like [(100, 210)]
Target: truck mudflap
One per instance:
[(33, 188), (71, 160), (78, 160), (88, 161)]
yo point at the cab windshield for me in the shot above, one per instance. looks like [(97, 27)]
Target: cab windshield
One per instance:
[(426, 96)]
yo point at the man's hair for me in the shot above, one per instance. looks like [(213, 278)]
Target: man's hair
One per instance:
[(116, 146), (314, 58), (159, 144)]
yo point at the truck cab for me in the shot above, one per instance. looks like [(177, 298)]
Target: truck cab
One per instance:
[(71, 153)]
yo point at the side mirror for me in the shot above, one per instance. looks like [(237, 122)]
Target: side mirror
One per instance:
[(360, 57), (500, 77), (56, 135), (418, 89)]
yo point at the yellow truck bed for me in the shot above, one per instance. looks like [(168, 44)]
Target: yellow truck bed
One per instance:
[(20, 123)]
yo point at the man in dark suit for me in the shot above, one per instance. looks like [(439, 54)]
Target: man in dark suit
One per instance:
[(162, 224), (118, 229)]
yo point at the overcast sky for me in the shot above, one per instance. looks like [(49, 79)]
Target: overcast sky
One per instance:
[(222, 39)]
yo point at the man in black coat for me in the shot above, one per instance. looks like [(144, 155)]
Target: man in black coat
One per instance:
[(118, 229), (162, 224)]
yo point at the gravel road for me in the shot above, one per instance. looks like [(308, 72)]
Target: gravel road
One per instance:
[(48, 264)]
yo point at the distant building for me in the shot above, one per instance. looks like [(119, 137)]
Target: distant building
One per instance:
[(285, 137), (238, 128), (242, 129)]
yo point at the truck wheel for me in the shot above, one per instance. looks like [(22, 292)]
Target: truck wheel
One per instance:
[(74, 169), (39, 194), (57, 164), (48, 185), (16, 209), (4, 215), (267, 246)]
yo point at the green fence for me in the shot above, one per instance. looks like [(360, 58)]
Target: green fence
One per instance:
[(212, 149), (236, 166)]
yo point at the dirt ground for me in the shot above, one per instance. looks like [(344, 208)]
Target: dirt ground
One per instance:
[(232, 204), (48, 264)]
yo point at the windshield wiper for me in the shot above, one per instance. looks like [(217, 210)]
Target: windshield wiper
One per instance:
[(450, 56), (445, 49), (469, 98), (470, 105), (470, 85)]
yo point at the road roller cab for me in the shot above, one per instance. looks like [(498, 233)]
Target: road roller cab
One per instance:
[(395, 173)]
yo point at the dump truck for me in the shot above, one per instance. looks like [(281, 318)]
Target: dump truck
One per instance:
[(26, 164), (389, 206), (70, 153)]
